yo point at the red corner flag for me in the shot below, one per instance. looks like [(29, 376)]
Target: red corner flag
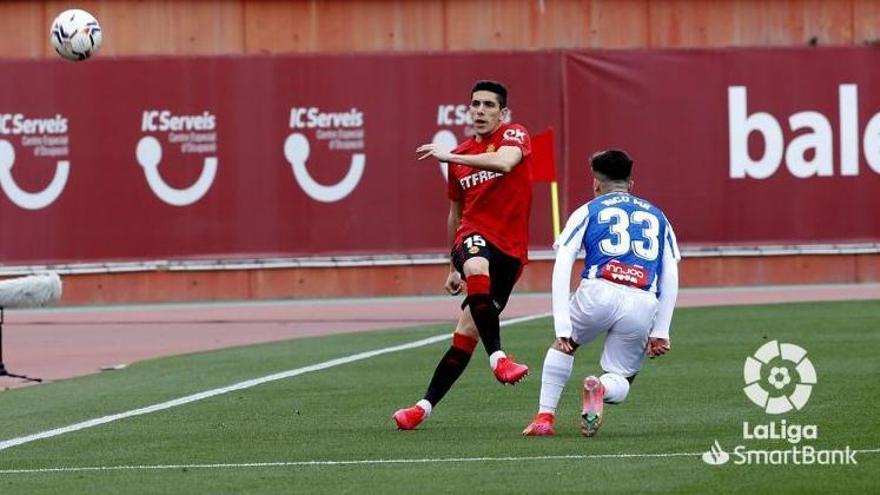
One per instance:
[(544, 170), (544, 157)]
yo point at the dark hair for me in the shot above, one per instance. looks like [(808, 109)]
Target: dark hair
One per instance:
[(614, 165), (494, 87)]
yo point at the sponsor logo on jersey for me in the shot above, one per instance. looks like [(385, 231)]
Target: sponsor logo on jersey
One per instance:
[(477, 178), (517, 135), (621, 273)]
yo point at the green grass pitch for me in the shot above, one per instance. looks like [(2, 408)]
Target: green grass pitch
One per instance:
[(680, 403)]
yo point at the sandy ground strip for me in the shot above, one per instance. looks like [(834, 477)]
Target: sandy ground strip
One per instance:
[(59, 343)]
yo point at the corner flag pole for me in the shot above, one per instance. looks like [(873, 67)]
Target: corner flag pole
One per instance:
[(554, 204)]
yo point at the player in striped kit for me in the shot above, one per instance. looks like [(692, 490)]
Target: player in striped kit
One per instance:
[(628, 289)]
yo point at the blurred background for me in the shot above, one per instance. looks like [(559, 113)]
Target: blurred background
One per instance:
[(265, 149)]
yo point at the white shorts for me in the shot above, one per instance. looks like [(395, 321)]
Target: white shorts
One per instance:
[(627, 314)]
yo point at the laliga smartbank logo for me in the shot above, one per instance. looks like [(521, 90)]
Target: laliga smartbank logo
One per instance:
[(46, 138), (340, 134), (779, 378), (190, 134)]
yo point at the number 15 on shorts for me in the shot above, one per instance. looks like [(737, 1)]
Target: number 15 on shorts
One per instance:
[(474, 242)]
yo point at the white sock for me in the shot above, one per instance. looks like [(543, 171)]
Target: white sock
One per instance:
[(616, 387), (557, 370), (493, 359), (424, 404)]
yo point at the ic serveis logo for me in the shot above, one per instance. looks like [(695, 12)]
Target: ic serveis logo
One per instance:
[(193, 134), (336, 133), (46, 138)]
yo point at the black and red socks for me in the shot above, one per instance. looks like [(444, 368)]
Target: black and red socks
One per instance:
[(450, 367)]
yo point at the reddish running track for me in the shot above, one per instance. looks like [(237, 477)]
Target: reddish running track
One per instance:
[(64, 342)]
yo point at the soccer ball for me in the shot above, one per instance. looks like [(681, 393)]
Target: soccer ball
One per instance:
[(75, 35)]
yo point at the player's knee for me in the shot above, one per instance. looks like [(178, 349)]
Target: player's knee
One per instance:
[(479, 296), (468, 330), (616, 387), (476, 266)]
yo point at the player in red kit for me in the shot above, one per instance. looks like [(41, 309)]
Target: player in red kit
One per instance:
[(490, 192)]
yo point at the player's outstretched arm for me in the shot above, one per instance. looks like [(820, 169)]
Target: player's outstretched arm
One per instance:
[(502, 160)]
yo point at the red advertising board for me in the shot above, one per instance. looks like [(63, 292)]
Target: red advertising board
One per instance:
[(738, 146), (243, 157)]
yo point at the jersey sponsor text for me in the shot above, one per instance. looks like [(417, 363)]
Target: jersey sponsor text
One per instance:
[(477, 178)]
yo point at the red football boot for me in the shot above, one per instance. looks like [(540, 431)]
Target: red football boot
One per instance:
[(507, 371), (541, 426), (409, 418)]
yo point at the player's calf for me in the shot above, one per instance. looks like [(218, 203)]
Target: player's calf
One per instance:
[(448, 370), (484, 312)]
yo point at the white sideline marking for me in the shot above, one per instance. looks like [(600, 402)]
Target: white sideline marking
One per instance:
[(360, 462), (240, 386)]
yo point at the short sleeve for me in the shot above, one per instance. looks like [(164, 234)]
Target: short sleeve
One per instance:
[(517, 135)]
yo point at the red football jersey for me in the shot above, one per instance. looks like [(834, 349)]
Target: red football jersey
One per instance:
[(496, 205)]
